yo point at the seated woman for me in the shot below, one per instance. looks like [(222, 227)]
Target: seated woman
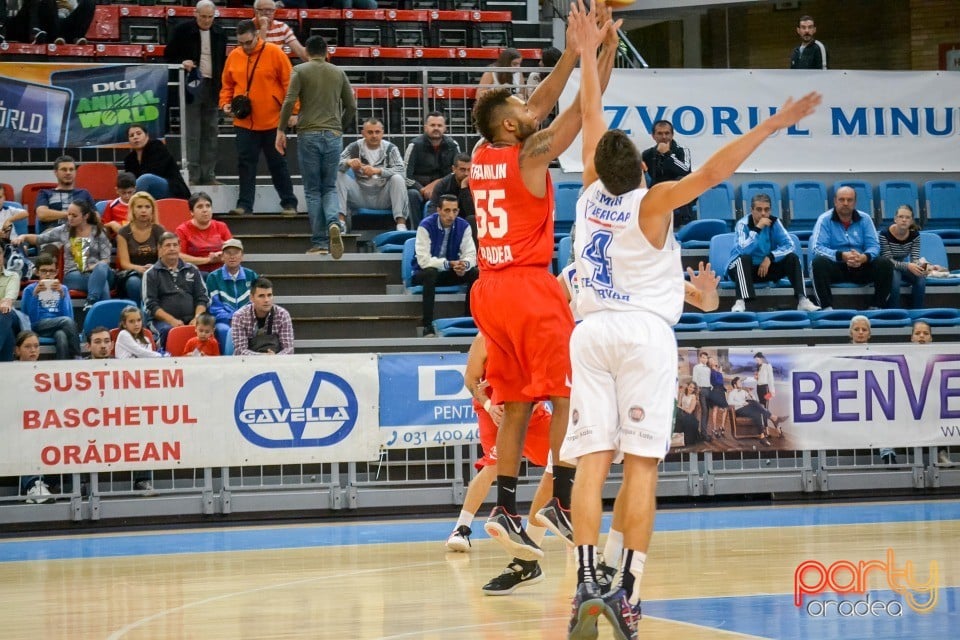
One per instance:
[(202, 238), (86, 251), (490, 79), (156, 170), (900, 242), (137, 245)]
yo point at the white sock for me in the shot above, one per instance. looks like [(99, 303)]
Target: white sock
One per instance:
[(536, 533), (613, 548), (401, 226), (632, 573), (465, 519)]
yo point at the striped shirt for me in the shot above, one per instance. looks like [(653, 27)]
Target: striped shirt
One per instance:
[(280, 34)]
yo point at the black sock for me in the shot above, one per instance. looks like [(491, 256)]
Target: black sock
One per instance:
[(586, 563), (626, 577), (563, 484), (507, 494)]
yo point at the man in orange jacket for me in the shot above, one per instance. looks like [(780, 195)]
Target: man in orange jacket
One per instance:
[(260, 71)]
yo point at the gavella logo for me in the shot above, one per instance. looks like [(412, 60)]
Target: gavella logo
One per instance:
[(844, 577)]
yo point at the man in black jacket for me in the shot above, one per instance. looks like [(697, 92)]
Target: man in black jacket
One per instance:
[(668, 161), (428, 159), (811, 54), (201, 47)]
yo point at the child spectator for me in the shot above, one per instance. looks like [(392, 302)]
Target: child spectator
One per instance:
[(47, 303), (204, 343), (28, 350), (133, 341), (116, 214)]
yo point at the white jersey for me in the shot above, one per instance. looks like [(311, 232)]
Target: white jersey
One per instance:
[(617, 266)]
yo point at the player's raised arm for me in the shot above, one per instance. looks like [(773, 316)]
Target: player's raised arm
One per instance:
[(701, 290), (591, 105)]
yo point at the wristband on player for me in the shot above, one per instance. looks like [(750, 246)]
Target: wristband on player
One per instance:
[(486, 405)]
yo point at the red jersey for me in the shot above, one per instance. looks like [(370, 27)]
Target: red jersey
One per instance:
[(514, 227)]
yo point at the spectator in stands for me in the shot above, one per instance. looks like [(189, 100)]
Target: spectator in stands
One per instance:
[(260, 71), (26, 347), (810, 54), (116, 213), (920, 333), (846, 249), (275, 31), (445, 255), (86, 251), (52, 203), (134, 340), (427, 159), (859, 329), (174, 293), (202, 237), (508, 57), (900, 243), (47, 304), (262, 327), (666, 161), (457, 183), (549, 56), (200, 46), (764, 252), (156, 170), (58, 21), (204, 343), (229, 286), (327, 107), (9, 321), (138, 245), (9, 215), (378, 180), (100, 343)]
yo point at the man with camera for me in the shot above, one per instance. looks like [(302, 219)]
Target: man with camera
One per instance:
[(261, 327), (255, 80)]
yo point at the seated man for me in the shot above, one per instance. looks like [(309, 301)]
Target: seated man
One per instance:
[(174, 294), (427, 159), (47, 303), (101, 344), (379, 180), (846, 249), (446, 255), (229, 286), (764, 252), (262, 327), (52, 204), (457, 183)]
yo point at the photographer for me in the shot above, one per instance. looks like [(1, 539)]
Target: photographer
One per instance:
[(261, 327), (255, 80)]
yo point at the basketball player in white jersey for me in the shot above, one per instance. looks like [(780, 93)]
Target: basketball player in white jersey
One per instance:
[(624, 353)]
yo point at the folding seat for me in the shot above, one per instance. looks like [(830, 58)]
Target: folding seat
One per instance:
[(894, 193), (807, 199), (718, 203), (752, 188)]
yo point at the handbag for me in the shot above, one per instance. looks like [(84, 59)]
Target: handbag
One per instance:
[(267, 341), (241, 106)]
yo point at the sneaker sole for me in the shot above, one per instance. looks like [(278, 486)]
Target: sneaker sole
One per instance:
[(588, 616), (546, 522), (506, 592), (458, 546), (614, 624), (336, 242), (496, 531)]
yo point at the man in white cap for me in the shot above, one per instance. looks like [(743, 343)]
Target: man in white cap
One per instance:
[(229, 286)]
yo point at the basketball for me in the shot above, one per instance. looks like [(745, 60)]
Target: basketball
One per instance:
[(619, 3)]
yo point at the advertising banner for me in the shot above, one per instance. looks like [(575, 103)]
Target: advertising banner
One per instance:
[(423, 401), (57, 105), (866, 118), (116, 415)]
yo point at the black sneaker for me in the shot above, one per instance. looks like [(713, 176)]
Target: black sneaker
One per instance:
[(557, 519), (623, 616), (459, 540), (517, 574), (507, 530), (587, 607)]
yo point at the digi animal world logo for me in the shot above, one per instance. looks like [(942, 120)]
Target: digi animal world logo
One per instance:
[(815, 580)]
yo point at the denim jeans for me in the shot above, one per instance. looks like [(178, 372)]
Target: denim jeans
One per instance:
[(202, 118), (153, 184), (249, 145), (64, 332), (133, 289), (96, 283), (319, 155), (918, 287)]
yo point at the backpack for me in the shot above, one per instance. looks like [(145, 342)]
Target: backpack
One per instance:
[(15, 260)]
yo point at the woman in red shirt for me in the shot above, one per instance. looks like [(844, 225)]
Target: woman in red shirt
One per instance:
[(202, 238)]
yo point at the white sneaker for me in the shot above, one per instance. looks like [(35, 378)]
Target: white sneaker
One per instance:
[(806, 304), (739, 306), (943, 457), (459, 540), (39, 490), (401, 226)]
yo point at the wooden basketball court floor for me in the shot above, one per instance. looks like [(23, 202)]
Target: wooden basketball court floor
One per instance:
[(712, 573)]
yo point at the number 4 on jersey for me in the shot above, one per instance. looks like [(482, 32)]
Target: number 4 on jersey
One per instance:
[(596, 254)]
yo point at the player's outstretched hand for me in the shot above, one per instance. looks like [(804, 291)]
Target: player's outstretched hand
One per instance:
[(793, 111), (704, 279)]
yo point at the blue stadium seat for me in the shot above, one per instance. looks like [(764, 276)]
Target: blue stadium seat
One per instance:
[(718, 203), (942, 209), (102, 206), (105, 313), (730, 321), (937, 316), (772, 189), (225, 340), (834, 319), (894, 193), (864, 191), (452, 327), (784, 320), (563, 252), (934, 251), (888, 318), (406, 271), (690, 322), (807, 200), (697, 234), (719, 254), (392, 241), (565, 195)]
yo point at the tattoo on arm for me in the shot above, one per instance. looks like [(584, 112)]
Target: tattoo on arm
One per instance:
[(540, 144)]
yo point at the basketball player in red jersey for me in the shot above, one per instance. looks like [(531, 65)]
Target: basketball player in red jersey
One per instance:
[(517, 304)]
